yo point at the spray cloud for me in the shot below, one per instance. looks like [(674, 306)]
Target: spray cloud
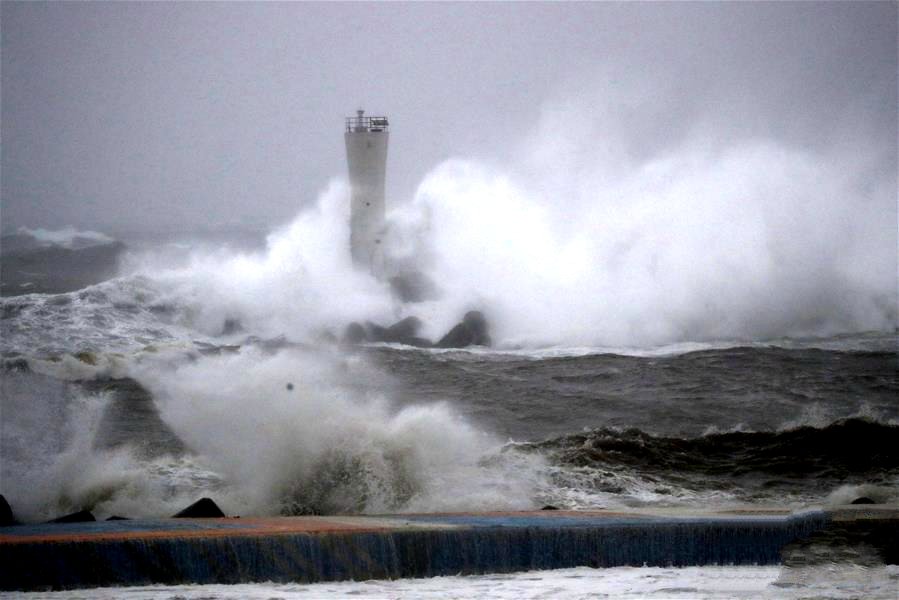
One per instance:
[(589, 238)]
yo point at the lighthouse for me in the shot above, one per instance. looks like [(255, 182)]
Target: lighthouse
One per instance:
[(366, 153)]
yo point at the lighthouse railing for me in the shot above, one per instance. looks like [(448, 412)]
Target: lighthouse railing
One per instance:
[(366, 124)]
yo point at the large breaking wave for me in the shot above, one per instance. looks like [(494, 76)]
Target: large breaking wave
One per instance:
[(572, 242), (570, 245)]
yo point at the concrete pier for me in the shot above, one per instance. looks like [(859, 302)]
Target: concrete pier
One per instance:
[(309, 549)]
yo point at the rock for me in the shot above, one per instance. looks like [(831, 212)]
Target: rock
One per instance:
[(401, 332), (405, 332), (406, 328), (863, 500), (550, 507), (82, 516), (6, 517), (204, 508), (477, 324), (472, 331), (375, 332), (118, 518), (458, 337), (354, 334)]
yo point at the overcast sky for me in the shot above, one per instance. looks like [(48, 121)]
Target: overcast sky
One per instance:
[(164, 116)]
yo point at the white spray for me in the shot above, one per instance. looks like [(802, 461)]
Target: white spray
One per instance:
[(582, 240)]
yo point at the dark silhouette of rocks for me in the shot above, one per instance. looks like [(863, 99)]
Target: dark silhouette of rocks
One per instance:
[(354, 334), (118, 518), (6, 517), (204, 508), (375, 332), (82, 516), (405, 329), (402, 332), (472, 331), (863, 500)]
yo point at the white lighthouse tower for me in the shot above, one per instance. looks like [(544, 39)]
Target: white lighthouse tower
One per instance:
[(366, 153)]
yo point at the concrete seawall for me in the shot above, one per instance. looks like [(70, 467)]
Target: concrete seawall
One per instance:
[(309, 549)]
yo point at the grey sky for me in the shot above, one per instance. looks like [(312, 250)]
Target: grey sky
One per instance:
[(124, 116)]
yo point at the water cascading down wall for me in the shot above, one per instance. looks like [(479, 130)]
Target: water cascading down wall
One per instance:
[(309, 549)]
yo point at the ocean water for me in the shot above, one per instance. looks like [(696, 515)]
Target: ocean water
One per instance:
[(220, 373), (110, 402)]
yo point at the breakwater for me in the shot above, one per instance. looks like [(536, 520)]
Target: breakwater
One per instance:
[(309, 549)]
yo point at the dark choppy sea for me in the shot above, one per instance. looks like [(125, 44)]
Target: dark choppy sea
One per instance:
[(129, 397), (110, 402)]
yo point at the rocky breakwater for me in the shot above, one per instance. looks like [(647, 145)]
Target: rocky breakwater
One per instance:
[(473, 330)]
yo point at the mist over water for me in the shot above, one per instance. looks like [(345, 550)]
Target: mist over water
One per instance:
[(301, 284), (577, 243)]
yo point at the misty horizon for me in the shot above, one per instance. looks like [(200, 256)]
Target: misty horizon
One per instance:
[(128, 117)]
